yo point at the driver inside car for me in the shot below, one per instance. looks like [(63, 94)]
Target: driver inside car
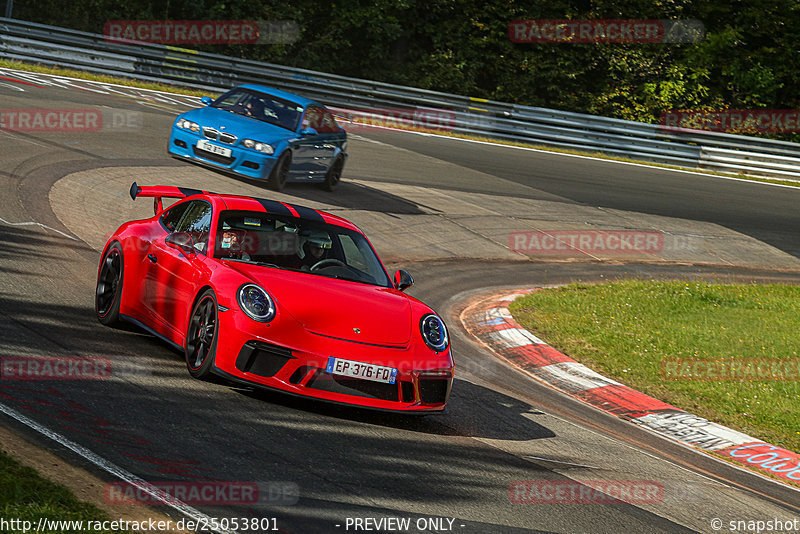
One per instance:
[(313, 247), (233, 245), (254, 108)]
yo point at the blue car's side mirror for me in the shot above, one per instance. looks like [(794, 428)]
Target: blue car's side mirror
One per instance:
[(308, 131), (207, 100)]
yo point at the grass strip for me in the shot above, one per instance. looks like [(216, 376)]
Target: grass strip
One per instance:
[(629, 330), (26, 496)]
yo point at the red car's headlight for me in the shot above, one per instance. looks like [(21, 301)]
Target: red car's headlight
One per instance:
[(256, 303), (434, 332)]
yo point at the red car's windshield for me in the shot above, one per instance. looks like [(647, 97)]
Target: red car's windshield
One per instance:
[(298, 244)]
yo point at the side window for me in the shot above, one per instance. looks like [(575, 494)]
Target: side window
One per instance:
[(172, 216), (327, 123), (196, 221), (313, 118), (229, 99)]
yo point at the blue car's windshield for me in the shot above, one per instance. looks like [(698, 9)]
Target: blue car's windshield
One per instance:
[(261, 106)]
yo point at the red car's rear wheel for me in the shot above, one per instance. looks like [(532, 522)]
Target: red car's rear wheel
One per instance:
[(201, 336)]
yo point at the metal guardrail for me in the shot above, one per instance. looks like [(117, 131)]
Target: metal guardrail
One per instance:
[(363, 99)]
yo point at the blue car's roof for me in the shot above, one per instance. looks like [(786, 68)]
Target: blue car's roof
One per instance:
[(281, 94)]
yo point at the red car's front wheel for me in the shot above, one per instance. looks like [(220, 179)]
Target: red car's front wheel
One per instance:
[(201, 336), (108, 293)]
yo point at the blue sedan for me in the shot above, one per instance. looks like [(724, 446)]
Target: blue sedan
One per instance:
[(262, 133)]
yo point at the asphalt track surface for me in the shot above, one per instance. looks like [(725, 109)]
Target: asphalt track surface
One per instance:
[(161, 425), (766, 213)]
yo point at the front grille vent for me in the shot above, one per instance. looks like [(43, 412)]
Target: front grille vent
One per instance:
[(262, 359)]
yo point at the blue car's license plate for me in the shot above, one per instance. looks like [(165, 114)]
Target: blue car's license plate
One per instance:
[(214, 149)]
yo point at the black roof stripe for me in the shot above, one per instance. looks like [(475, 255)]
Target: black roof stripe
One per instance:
[(274, 207), (308, 213)]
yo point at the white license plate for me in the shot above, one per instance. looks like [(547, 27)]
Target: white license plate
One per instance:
[(366, 371), (211, 147)]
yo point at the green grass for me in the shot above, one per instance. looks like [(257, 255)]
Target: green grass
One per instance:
[(26, 496), (625, 329)]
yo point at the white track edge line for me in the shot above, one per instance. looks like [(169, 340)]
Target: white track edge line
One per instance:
[(113, 469), (33, 223), (645, 165), (690, 447), (580, 156)]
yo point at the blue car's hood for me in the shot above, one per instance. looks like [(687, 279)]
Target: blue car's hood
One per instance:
[(238, 125)]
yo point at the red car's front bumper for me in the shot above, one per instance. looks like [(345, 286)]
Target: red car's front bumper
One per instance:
[(294, 360)]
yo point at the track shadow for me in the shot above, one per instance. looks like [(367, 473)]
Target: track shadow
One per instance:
[(347, 195), (357, 197), (473, 411), (21, 244), (162, 425)]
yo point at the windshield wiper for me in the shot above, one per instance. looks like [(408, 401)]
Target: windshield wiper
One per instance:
[(251, 262), (265, 264)]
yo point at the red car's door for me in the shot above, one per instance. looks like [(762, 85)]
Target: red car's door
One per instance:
[(173, 276)]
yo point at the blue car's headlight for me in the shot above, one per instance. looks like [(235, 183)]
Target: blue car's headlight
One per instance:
[(434, 332), (256, 303), (258, 145), (187, 125)]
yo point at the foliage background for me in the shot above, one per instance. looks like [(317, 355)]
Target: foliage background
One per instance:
[(748, 59)]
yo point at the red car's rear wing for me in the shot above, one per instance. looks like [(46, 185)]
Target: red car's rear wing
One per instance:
[(162, 191)]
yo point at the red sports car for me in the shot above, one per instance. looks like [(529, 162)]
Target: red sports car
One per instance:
[(275, 295)]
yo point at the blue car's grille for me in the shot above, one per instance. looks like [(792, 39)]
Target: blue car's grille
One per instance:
[(227, 138), (210, 156), (216, 135)]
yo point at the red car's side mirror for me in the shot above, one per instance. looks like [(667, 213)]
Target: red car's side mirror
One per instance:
[(181, 241), (403, 280)]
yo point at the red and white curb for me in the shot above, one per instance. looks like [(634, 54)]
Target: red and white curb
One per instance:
[(491, 322)]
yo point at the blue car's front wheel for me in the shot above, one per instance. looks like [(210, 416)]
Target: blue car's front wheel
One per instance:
[(280, 172)]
